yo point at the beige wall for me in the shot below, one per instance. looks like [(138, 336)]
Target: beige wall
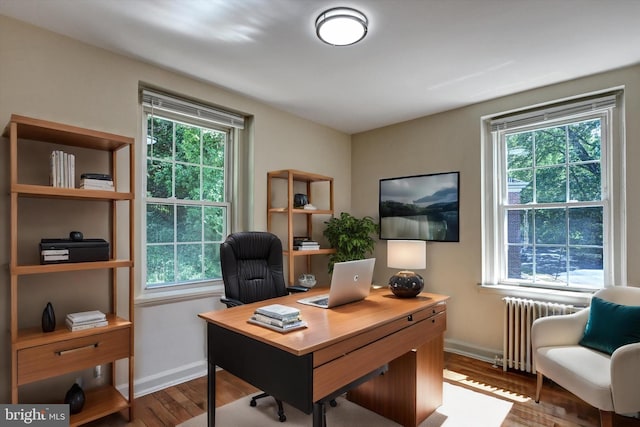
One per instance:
[(451, 141), (55, 78)]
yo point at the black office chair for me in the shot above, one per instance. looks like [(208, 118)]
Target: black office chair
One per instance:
[(252, 271)]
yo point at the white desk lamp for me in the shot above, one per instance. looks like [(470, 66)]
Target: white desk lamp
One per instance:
[(407, 255)]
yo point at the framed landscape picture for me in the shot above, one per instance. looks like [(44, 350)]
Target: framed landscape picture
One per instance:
[(420, 207)]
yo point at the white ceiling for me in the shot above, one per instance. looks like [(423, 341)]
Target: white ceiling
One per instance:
[(420, 56)]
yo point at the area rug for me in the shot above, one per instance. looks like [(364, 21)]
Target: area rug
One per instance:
[(461, 408)]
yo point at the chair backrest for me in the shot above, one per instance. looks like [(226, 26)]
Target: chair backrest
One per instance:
[(252, 266), (623, 295)]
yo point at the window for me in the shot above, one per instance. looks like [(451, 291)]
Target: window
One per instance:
[(551, 220), (186, 190)]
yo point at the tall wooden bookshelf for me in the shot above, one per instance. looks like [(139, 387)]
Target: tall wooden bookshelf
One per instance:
[(36, 355), (293, 179)]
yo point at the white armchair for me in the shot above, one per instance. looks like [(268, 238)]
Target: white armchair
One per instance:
[(608, 382)]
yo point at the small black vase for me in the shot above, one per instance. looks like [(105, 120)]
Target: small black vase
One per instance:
[(48, 319), (74, 398)]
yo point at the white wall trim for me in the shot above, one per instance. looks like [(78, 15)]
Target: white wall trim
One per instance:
[(176, 295), (470, 350), (168, 378)]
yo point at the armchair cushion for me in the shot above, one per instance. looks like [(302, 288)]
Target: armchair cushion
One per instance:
[(611, 325), (583, 371)]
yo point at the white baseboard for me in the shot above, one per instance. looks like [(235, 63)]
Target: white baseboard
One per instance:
[(469, 350), (167, 378)]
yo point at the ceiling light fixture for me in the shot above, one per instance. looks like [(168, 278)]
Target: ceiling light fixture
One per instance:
[(341, 26)]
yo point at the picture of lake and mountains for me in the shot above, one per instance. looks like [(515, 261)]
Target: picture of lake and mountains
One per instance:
[(421, 207)]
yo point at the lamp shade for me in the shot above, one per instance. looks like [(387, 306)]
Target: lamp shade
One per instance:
[(407, 254)]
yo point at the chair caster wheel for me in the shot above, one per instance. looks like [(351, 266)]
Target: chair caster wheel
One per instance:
[(282, 418), (333, 403), (253, 403)]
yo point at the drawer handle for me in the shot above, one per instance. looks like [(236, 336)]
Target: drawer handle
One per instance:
[(73, 350)]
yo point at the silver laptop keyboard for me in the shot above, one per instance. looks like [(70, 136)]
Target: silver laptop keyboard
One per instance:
[(321, 301)]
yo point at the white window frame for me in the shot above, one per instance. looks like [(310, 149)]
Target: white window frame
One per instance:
[(494, 274), (189, 113)]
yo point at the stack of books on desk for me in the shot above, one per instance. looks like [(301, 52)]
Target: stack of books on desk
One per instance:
[(305, 244), (86, 320), (278, 317)]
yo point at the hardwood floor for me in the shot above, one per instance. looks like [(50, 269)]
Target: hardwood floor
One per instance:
[(557, 407)]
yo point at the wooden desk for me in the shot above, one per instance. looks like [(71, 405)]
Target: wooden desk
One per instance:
[(340, 345)]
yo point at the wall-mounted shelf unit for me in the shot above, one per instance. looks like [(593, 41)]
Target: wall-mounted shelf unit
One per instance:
[(36, 355), (308, 180)]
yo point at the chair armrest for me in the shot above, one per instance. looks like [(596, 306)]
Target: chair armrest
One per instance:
[(559, 330), (230, 302), (625, 377), (296, 289)]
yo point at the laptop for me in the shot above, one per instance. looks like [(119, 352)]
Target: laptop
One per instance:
[(351, 281)]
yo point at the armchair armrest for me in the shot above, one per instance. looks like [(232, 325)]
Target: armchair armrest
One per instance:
[(559, 330), (625, 377), (296, 289), (230, 302)]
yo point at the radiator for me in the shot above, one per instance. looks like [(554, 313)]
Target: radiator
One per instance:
[(519, 314)]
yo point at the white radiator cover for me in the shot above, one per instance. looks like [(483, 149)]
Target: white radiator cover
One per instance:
[(519, 314)]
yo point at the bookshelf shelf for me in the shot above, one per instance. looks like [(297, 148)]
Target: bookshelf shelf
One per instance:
[(70, 266), (28, 190)]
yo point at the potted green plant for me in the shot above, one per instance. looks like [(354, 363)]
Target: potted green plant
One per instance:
[(350, 236)]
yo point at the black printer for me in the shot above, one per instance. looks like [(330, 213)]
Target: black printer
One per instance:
[(55, 251)]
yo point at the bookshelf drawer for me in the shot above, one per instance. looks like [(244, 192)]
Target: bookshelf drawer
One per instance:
[(49, 360)]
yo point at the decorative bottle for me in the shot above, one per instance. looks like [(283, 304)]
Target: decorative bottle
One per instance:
[(48, 319)]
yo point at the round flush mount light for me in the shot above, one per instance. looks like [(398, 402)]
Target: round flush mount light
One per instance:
[(341, 26)]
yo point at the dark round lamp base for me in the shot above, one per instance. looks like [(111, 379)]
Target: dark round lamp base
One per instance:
[(406, 284)]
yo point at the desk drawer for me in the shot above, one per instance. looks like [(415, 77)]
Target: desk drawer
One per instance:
[(353, 365), (37, 363), (339, 349)]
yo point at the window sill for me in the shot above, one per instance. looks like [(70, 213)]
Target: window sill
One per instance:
[(581, 299), (159, 297)]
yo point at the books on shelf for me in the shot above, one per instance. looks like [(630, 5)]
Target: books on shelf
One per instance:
[(278, 317), (306, 248), (297, 241), (82, 327), (96, 176), (86, 320), (92, 184), (62, 169), (84, 316), (96, 181), (305, 244)]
